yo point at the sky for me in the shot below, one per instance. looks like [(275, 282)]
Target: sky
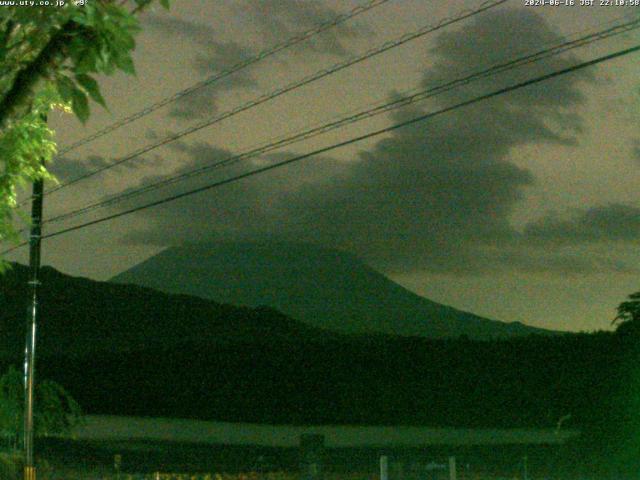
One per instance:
[(523, 207)]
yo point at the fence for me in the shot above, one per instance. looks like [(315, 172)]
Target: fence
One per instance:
[(311, 460), (214, 476), (396, 471)]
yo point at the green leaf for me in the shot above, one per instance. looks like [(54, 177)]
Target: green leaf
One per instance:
[(65, 87), (92, 88), (165, 4), (105, 60), (92, 14), (80, 105), (84, 56), (125, 63)]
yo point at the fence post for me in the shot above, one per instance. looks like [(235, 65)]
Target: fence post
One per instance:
[(384, 467), (311, 456), (452, 468)]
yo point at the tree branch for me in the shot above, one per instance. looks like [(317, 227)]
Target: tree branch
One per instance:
[(18, 100)]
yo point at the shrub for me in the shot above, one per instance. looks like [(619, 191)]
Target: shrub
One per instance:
[(10, 466)]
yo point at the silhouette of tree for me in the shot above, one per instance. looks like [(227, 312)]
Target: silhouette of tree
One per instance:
[(629, 310), (628, 315), (56, 411)]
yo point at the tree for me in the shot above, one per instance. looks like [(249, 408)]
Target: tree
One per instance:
[(630, 310), (628, 315), (49, 57), (56, 411)]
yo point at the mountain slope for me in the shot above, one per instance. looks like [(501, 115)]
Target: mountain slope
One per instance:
[(320, 287), (128, 350), (79, 315)]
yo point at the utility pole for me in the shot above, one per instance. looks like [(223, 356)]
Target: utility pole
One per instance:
[(35, 238)]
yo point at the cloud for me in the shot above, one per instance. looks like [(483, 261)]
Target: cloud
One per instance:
[(194, 32), (434, 196), (610, 223), (281, 19), (559, 262), (242, 209), (537, 113), (275, 20), (220, 58), (66, 168), (213, 57)]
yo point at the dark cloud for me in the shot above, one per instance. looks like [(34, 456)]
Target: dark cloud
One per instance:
[(538, 113), (611, 223), (275, 21), (563, 263), (220, 58), (65, 168), (242, 209), (184, 29), (434, 196), (213, 57)]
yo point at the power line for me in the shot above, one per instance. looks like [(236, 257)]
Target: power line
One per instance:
[(350, 141), (361, 115), (225, 73), (464, 14)]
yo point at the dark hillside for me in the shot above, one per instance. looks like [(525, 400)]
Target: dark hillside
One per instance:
[(80, 316), (321, 287), (133, 351)]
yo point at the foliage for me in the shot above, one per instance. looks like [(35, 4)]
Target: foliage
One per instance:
[(50, 57), (22, 147), (10, 465), (630, 310), (628, 318), (55, 410)]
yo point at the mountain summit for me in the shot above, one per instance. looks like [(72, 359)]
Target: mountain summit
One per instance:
[(321, 287)]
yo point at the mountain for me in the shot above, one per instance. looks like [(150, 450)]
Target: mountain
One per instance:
[(80, 315), (323, 288), (130, 350)]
